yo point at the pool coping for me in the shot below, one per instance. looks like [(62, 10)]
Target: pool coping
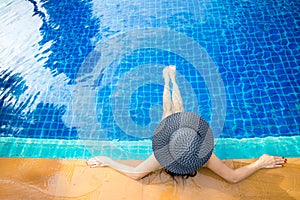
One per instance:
[(62, 179)]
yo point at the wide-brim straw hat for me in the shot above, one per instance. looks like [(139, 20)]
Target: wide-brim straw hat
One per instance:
[(183, 142)]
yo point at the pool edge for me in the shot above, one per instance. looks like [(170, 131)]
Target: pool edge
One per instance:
[(225, 148)]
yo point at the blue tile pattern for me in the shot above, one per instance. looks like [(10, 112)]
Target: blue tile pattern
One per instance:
[(254, 44)]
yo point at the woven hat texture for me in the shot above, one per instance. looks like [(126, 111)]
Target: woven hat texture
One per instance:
[(182, 142)]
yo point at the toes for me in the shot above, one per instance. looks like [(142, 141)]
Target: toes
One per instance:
[(173, 67), (172, 70)]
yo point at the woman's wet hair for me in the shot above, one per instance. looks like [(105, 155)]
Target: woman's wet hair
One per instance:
[(183, 176)]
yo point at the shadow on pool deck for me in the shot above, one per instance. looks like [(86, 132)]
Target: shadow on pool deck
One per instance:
[(30, 179)]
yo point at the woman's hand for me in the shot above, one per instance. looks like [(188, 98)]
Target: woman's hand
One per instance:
[(267, 161), (99, 161), (144, 168)]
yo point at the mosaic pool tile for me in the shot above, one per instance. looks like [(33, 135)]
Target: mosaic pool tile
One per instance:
[(254, 46)]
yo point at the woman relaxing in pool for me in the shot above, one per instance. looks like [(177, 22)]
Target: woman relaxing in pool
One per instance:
[(182, 143)]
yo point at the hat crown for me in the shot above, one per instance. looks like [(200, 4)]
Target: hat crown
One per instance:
[(183, 141)]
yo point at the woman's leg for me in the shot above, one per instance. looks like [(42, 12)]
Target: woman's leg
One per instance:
[(167, 103), (177, 104)]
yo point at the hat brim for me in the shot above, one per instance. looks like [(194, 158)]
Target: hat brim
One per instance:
[(163, 133)]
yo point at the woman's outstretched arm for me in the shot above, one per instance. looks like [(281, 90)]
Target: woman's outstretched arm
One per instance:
[(236, 175), (138, 172)]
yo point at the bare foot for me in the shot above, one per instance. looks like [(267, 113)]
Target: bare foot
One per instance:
[(166, 74), (172, 72)]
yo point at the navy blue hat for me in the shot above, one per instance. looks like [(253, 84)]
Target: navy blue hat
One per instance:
[(182, 142)]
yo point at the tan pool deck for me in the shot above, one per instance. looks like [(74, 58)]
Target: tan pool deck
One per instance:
[(30, 179)]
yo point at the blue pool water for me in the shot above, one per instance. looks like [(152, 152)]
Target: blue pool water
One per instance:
[(80, 78)]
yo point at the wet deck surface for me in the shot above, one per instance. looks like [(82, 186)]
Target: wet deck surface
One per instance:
[(30, 179)]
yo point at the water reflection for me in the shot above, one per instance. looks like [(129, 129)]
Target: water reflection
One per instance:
[(39, 56), (119, 16), (44, 43)]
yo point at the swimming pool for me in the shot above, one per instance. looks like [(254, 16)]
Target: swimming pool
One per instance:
[(82, 78)]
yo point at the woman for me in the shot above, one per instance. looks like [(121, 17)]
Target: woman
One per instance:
[(183, 143)]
